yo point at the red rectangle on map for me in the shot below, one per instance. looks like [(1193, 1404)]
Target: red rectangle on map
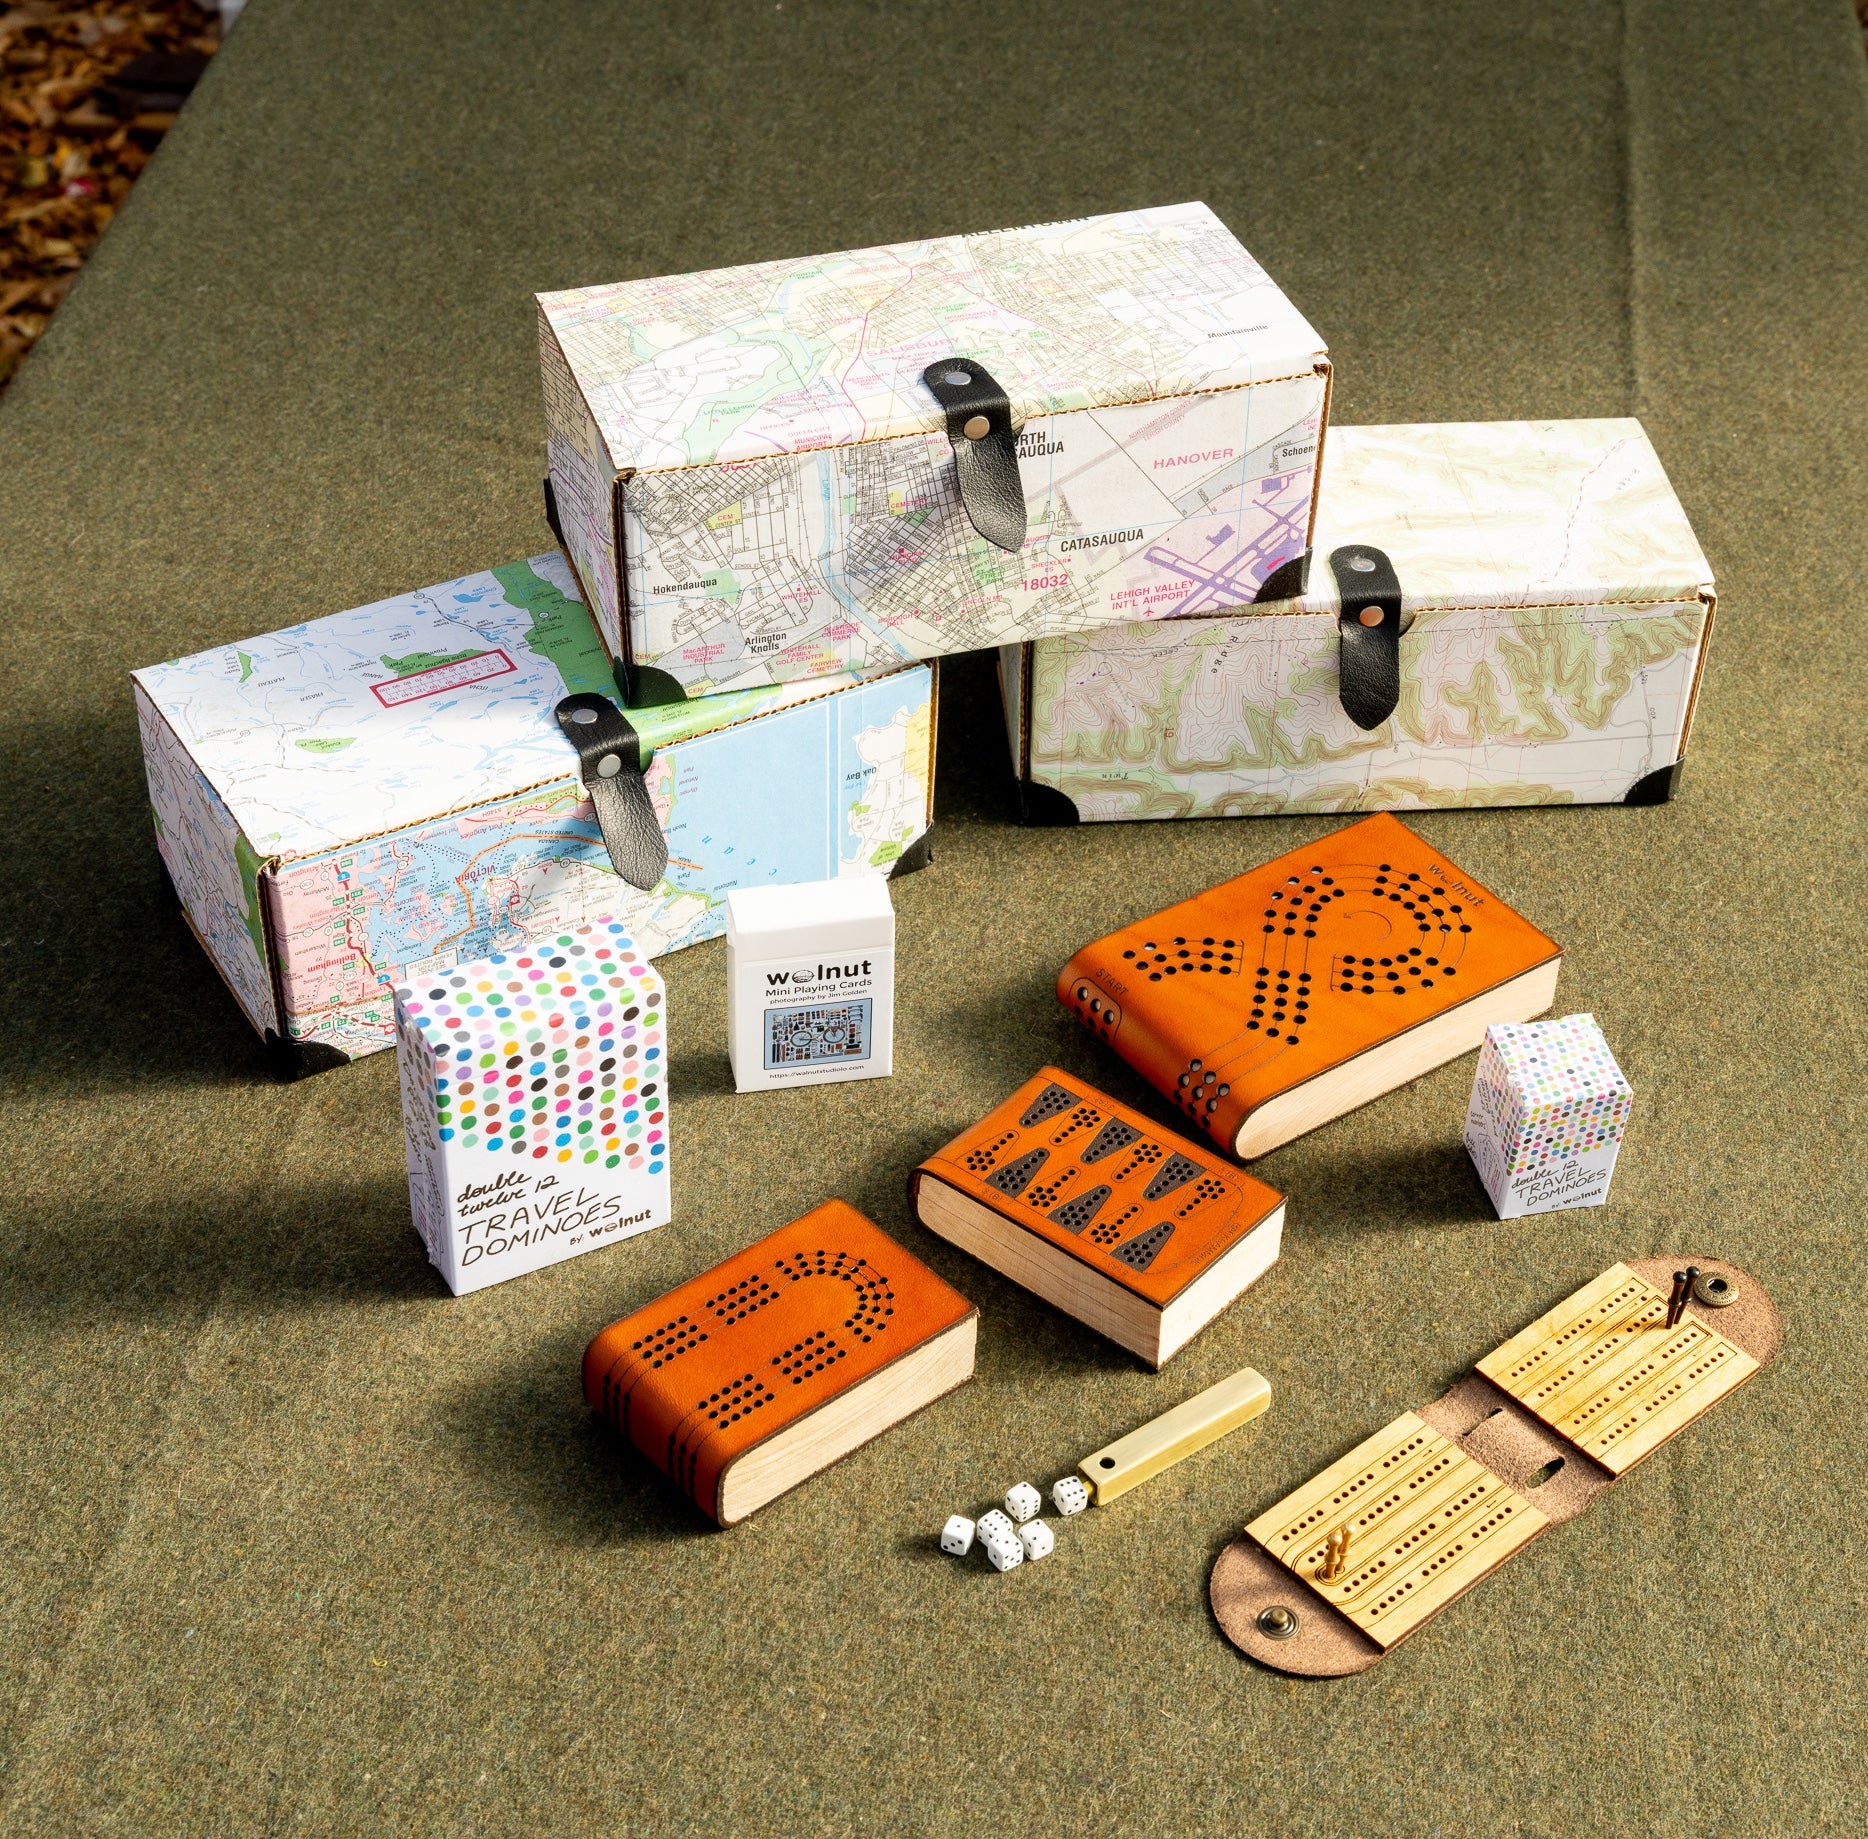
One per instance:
[(454, 675)]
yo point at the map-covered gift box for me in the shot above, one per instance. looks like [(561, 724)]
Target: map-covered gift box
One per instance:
[(385, 793), (1536, 610), (773, 472)]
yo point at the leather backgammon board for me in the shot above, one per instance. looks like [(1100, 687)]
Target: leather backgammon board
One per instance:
[(1093, 1206)]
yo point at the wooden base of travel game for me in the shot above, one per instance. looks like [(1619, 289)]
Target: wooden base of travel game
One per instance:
[(1333, 1576)]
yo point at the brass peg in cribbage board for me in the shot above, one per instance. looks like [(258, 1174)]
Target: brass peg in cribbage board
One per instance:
[(1335, 1555), (1676, 1303)]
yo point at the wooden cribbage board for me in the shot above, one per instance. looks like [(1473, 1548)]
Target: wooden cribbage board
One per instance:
[(1604, 1371), (1426, 1521), (1226, 1001), (1438, 1499)]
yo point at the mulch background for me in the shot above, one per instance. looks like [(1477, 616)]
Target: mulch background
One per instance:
[(86, 94), (293, 1542)]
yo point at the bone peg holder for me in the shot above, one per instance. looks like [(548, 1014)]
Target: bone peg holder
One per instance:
[(1496, 1455)]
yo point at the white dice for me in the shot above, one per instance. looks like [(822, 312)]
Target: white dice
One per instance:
[(1005, 1549), (1036, 1538), (994, 1525), (1022, 1500), (1070, 1495), (957, 1535)]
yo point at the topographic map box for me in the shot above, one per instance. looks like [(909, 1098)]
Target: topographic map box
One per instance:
[(534, 1104), (755, 485), (384, 793), (1560, 610)]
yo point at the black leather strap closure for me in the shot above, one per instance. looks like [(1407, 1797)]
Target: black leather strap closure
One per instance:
[(1369, 626), (610, 765), (985, 449)]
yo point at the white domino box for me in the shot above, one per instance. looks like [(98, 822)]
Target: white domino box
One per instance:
[(535, 1104), (1549, 1106), (810, 983)]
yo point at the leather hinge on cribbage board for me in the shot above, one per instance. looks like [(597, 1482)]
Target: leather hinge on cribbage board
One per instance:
[(1333, 1576)]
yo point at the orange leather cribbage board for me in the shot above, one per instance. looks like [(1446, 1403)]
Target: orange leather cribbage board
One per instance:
[(1137, 1203), (744, 1350), (1256, 986)]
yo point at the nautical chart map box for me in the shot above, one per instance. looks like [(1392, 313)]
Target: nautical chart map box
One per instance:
[(756, 484), (1554, 610), (385, 793)]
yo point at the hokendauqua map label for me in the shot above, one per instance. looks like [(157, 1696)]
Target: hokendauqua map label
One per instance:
[(756, 485), (534, 1104), (1555, 610), (383, 794)]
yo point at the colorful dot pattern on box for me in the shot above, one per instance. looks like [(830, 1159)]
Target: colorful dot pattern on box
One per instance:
[(553, 1054), (1565, 1096)]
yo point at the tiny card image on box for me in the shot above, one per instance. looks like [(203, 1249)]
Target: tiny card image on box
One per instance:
[(810, 983), (1549, 1106), (534, 1104)]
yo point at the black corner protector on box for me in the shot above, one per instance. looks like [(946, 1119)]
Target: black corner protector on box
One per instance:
[(1368, 630), (918, 855), (551, 513), (985, 450), (642, 686), (1044, 805), (1287, 580), (294, 1060), (1655, 788), (610, 766)]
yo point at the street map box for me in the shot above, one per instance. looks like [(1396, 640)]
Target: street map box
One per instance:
[(1554, 609), (385, 793), (535, 1104), (756, 485)]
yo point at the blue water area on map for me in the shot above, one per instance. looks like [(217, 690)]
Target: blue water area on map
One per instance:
[(766, 802)]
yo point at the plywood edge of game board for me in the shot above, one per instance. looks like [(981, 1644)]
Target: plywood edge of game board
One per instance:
[(1035, 1264), (1380, 1069), (847, 1420), (1426, 1515), (1152, 1331)]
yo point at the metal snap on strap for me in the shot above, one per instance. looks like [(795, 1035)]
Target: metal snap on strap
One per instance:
[(985, 450), (1277, 1623), (611, 767), (1368, 633), (1714, 1291)]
